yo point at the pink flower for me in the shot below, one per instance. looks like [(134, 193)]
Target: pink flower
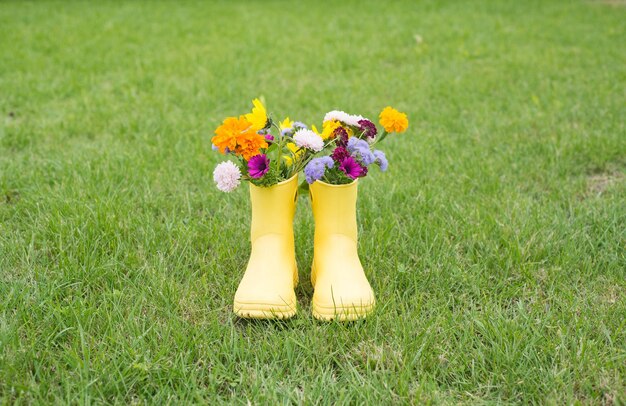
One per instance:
[(258, 166), (351, 168)]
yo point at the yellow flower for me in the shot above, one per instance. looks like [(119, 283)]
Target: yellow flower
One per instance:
[(258, 117), (295, 153), (286, 123), (314, 128), (329, 128), (393, 121)]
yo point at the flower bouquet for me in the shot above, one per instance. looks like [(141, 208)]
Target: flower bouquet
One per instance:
[(350, 146), (266, 152), (270, 155)]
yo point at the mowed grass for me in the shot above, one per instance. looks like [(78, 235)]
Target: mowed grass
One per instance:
[(495, 242)]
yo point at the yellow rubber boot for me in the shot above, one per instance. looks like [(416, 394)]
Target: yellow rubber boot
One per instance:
[(266, 289), (342, 291)]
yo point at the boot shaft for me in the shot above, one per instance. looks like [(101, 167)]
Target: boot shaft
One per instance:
[(273, 208), (334, 209)]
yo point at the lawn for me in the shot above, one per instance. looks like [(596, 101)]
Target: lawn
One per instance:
[(495, 242)]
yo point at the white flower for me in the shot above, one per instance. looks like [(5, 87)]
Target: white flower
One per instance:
[(308, 139), (354, 120), (226, 176), (342, 116), (337, 115)]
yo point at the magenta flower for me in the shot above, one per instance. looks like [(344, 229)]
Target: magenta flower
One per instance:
[(269, 138), (351, 168), (258, 166)]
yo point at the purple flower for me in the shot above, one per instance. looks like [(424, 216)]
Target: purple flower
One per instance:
[(316, 168), (269, 138), (299, 124), (381, 159), (351, 168), (258, 166), (361, 149), (342, 136), (368, 128), (339, 154)]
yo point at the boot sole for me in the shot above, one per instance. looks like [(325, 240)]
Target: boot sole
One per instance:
[(264, 310), (341, 313)]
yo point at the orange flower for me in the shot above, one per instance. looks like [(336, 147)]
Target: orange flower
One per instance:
[(238, 136), (226, 134), (249, 144), (393, 121)]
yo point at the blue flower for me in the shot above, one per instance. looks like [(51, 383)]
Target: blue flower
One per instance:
[(381, 159), (361, 149), (316, 168)]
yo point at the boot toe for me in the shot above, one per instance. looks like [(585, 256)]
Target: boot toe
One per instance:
[(350, 305), (258, 301)]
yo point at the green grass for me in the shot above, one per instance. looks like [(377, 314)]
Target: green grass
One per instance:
[(496, 242)]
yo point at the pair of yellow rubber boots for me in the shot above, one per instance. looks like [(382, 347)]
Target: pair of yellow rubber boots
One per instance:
[(341, 290)]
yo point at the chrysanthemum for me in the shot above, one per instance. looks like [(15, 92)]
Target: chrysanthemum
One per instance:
[(308, 139), (226, 176), (258, 166), (258, 116), (393, 121)]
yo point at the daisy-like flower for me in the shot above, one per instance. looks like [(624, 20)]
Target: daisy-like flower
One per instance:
[(316, 168), (393, 121), (258, 166), (258, 116), (351, 168), (308, 139), (227, 176)]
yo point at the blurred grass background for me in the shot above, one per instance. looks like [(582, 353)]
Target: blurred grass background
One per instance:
[(495, 242)]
